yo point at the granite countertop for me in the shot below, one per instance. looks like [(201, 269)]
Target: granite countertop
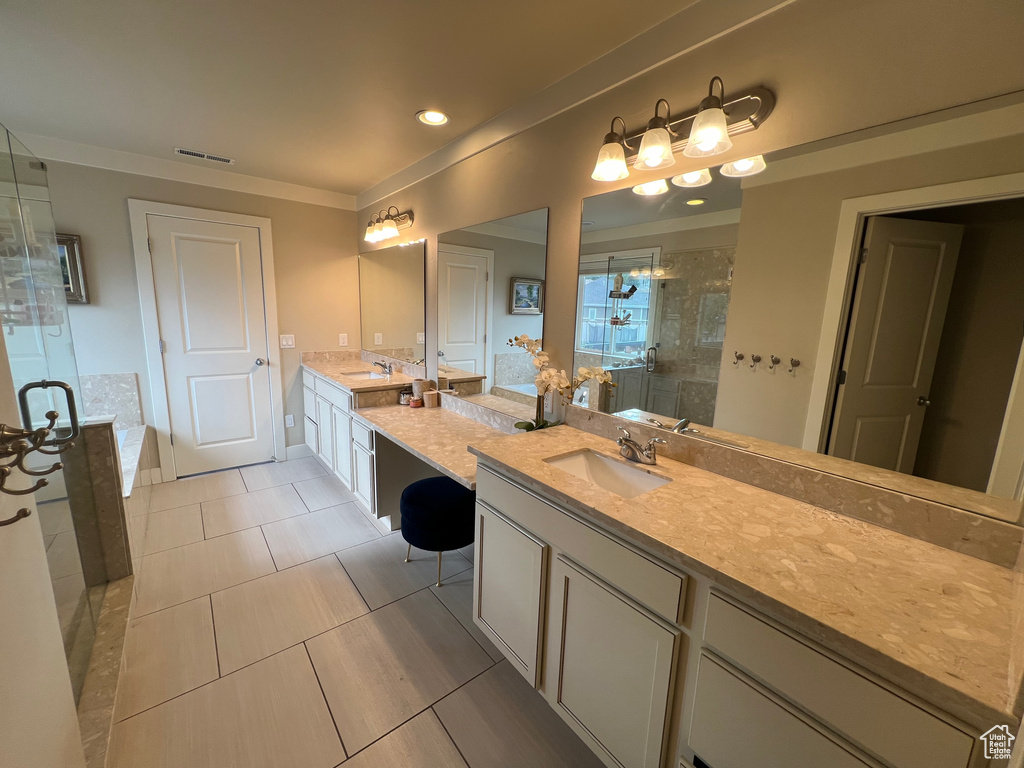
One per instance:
[(436, 435), (336, 372), (938, 623)]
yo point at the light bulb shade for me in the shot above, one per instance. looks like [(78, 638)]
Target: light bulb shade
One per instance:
[(388, 229), (655, 150), (693, 178), (368, 237), (710, 134), (378, 231), (748, 166), (658, 187), (611, 162)]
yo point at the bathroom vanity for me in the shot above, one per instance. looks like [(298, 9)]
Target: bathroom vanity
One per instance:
[(710, 618)]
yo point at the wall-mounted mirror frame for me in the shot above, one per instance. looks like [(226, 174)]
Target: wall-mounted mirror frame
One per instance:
[(792, 416), (392, 294)]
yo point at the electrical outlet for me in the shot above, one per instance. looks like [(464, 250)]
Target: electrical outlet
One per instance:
[(421, 338), (342, 339), (289, 420), (287, 341), (378, 339)]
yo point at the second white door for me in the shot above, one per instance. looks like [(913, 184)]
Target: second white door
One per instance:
[(210, 303), (463, 287)]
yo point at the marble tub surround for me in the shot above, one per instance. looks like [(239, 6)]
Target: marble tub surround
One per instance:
[(944, 525), (112, 393), (130, 456), (438, 436), (491, 410), (935, 622)]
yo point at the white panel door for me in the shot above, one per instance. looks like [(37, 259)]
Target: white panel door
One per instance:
[(463, 287), (898, 311), (209, 291)]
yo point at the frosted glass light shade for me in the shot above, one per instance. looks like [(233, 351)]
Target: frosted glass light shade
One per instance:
[(709, 135), (368, 236), (748, 166), (655, 150), (658, 187), (693, 178), (611, 163), (388, 229), (378, 231)]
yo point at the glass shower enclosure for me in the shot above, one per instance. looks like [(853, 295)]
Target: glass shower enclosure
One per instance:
[(34, 321)]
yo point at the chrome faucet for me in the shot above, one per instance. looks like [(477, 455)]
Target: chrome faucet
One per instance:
[(632, 450), (683, 425), (388, 368)]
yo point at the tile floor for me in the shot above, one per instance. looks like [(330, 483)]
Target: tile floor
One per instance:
[(275, 627)]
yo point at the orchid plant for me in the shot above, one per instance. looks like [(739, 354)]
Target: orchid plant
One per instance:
[(550, 379)]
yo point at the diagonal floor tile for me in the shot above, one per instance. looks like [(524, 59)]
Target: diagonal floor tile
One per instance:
[(381, 669), (166, 654), (248, 510), (170, 528), (260, 476), (420, 743), (379, 569), (319, 533), (499, 721), (457, 596), (185, 573), (321, 492), (62, 555), (269, 715), (55, 517), (193, 490), (267, 615)]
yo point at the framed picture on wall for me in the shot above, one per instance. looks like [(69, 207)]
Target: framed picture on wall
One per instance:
[(526, 296), (69, 253)]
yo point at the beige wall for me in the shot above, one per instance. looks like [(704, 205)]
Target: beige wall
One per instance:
[(783, 260), (314, 267), (835, 66)]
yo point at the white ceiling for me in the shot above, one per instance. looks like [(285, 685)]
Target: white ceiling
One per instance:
[(316, 93)]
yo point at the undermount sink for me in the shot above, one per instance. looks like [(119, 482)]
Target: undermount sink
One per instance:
[(617, 477), (364, 375)]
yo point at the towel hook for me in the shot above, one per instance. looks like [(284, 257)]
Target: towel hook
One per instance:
[(739, 356), (775, 360), (754, 360), (793, 364)]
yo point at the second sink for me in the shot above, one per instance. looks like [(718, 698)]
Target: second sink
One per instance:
[(614, 476)]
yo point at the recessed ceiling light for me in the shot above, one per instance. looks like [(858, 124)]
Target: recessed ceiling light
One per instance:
[(432, 117), (696, 201)]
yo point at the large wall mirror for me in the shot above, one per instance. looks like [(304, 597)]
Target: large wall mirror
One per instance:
[(490, 288), (862, 317), (391, 302)]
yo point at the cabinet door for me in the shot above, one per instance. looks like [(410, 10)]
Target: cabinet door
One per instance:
[(311, 435), (323, 421), (342, 446), (363, 478), (613, 663), (309, 403), (508, 600)]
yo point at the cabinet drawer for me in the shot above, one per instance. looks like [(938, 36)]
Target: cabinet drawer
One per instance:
[(735, 724), (308, 380), (309, 403), (641, 578), (362, 435), (335, 395), (863, 711)]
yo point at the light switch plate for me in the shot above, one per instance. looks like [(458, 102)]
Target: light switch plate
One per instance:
[(378, 339), (289, 420), (342, 339), (288, 341), (421, 338)]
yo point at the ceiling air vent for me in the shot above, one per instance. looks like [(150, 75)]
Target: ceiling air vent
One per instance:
[(203, 156)]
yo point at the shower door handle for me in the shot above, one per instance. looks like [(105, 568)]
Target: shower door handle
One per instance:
[(652, 359), (69, 395)]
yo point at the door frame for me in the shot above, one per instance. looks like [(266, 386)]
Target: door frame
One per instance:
[(488, 255), (852, 216), (138, 210)]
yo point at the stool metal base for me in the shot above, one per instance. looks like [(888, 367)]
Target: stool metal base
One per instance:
[(408, 552)]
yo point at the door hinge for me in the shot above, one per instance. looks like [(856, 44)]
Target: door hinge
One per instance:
[(149, 244), (485, 338), (842, 377), (863, 258), (172, 438), (163, 345)]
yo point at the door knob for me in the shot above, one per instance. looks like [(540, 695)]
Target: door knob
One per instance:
[(923, 401), (260, 361)]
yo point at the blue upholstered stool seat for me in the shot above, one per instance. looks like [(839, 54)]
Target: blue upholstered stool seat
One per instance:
[(437, 514)]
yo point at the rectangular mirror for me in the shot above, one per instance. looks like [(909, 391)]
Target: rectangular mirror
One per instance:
[(391, 302), (861, 318), (490, 286)]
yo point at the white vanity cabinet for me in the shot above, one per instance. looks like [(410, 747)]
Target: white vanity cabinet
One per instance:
[(328, 424), (364, 478)]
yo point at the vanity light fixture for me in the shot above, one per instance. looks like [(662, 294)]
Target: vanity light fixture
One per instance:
[(693, 178), (659, 187), (656, 144), (748, 166), (432, 117), (611, 159), (385, 225), (709, 135)]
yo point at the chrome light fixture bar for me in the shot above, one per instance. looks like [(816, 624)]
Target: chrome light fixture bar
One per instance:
[(385, 225)]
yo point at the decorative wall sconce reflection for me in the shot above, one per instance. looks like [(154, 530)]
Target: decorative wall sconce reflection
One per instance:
[(704, 133), (386, 225)]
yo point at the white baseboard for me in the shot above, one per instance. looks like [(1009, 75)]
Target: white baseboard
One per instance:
[(299, 451)]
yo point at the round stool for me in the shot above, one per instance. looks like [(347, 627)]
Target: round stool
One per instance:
[(437, 515)]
